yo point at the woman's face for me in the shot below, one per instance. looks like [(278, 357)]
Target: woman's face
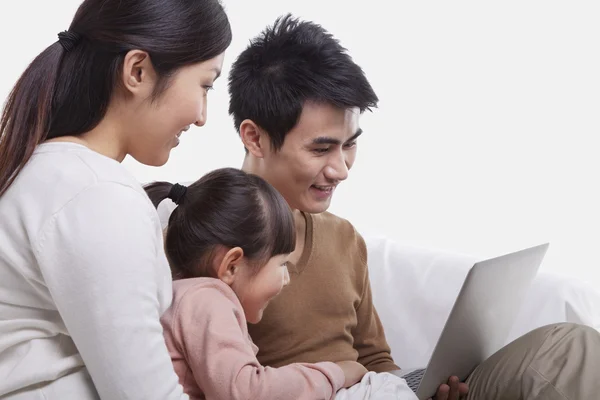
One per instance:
[(159, 123)]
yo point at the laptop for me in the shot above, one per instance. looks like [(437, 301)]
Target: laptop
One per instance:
[(480, 320)]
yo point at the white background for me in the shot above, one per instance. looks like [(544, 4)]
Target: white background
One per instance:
[(485, 140)]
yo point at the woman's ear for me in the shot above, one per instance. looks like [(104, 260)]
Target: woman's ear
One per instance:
[(253, 138), (230, 265), (139, 76)]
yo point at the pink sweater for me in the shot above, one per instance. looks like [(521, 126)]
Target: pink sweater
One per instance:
[(207, 337)]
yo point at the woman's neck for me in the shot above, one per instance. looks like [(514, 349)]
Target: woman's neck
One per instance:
[(105, 138)]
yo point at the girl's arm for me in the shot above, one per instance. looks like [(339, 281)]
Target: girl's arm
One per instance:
[(209, 327)]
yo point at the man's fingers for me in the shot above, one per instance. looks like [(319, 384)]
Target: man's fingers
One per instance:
[(442, 392), (463, 389), (453, 392)]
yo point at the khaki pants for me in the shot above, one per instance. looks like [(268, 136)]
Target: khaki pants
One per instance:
[(555, 362)]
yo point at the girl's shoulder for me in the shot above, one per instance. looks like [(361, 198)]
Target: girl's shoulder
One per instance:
[(209, 291), (202, 301)]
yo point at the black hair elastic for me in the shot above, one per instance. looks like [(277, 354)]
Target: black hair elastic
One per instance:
[(176, 193), (68, 40)]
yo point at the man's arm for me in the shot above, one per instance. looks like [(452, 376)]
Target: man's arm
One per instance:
[(369, 336)]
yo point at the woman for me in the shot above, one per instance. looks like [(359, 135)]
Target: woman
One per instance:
[(83, 275)]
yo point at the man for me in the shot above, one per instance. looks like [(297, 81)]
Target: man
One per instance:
[(296, 98)]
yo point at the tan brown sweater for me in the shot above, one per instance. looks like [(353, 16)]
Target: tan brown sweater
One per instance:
[(326, 313)]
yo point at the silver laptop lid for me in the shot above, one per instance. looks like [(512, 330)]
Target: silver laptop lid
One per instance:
[(482, 316)]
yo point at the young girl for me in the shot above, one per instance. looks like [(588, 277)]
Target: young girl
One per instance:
[(83, 274), (227, 242)]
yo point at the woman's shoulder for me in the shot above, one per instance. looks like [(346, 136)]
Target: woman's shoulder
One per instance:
[(77, 165), (69, 181), (70, 171)]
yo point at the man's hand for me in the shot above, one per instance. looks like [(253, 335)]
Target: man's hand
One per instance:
[(353, 372), (454, 390)]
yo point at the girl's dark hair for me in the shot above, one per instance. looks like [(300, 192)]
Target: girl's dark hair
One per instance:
[(226, 207), (67, 92)]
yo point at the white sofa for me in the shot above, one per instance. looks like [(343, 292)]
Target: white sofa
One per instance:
[(414, 290)]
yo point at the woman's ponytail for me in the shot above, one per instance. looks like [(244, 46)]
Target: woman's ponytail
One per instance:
[(27, 113)]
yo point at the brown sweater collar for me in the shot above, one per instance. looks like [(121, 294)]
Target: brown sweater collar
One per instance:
[(308, 245)]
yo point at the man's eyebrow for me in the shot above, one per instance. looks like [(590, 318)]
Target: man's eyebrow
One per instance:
[(355, 136), (334, 141), (325, 140)]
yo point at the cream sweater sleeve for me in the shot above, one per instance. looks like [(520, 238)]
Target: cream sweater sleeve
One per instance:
[(100, 259)]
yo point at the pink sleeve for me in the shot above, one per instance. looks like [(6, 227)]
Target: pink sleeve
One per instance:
[(207, 326)]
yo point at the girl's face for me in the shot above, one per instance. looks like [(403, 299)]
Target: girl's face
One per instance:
[(255, 290)]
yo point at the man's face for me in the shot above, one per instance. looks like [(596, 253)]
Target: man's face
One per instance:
[(315, 157)]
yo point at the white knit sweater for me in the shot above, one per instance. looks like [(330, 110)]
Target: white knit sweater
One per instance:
[(83, 283)]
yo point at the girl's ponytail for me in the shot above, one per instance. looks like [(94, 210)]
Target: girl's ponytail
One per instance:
[(158, 191)]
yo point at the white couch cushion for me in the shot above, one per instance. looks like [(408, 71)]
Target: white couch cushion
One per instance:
[(414, 290)]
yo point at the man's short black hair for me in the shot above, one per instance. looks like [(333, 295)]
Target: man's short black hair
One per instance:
[(288, 64)]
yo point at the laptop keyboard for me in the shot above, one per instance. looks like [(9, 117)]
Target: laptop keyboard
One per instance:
[(413, 379)]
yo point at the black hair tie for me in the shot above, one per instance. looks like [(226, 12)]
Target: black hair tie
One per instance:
[(176, 193), (68, 40)]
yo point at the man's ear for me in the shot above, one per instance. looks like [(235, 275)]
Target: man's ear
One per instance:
[(230, 265), (138, 75), (255, 139)]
